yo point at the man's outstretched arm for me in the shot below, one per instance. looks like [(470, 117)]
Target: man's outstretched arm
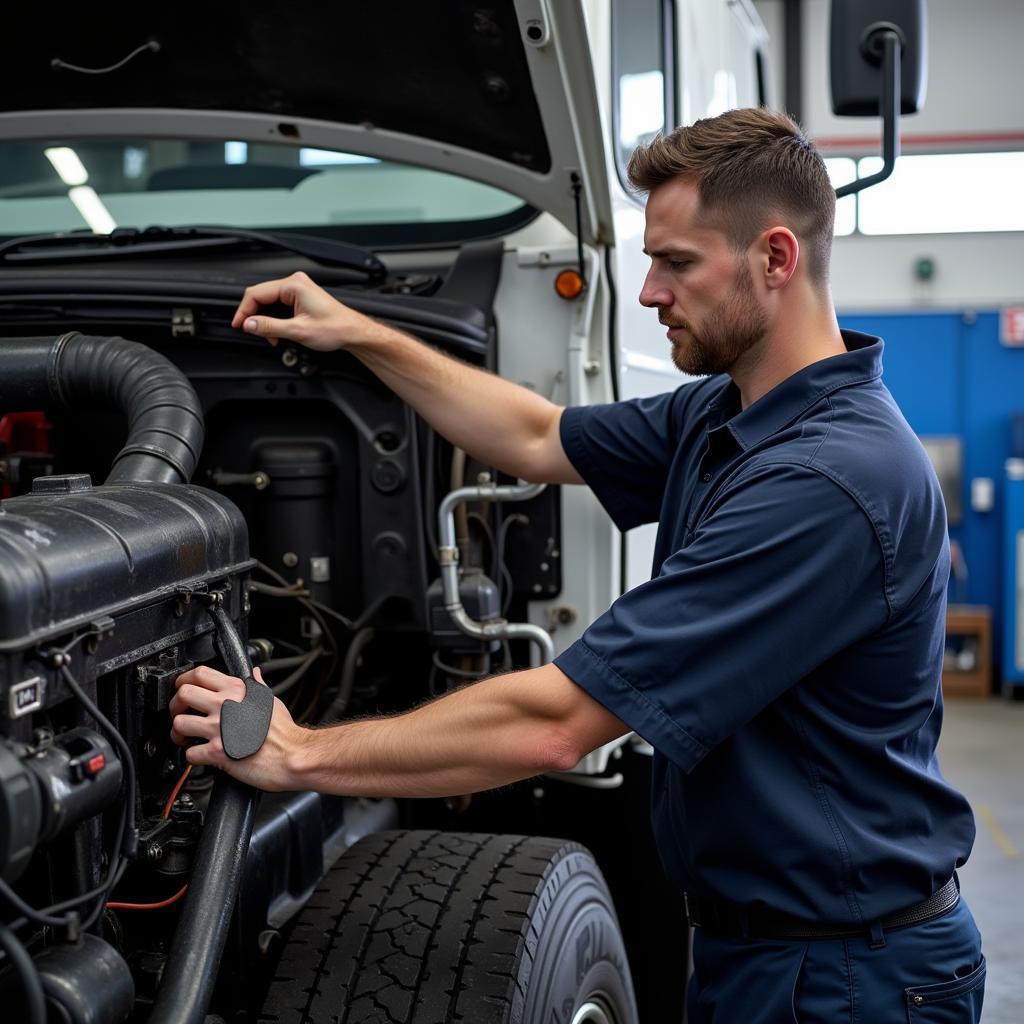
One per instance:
[(500, 423), (486, 735)]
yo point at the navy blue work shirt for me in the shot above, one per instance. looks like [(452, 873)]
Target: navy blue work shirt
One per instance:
[(785, 659)]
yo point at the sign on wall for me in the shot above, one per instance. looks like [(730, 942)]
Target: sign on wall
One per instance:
[(1011, 325)]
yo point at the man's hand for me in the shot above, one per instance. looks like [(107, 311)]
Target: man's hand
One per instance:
[(204, 690), (319, 321)]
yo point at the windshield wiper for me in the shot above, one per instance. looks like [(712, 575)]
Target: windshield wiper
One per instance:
[(162, 241)]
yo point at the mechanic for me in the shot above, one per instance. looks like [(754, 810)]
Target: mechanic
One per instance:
[(785, 659)]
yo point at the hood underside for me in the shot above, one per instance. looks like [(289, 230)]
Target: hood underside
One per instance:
[(454, 72), (459, 86)]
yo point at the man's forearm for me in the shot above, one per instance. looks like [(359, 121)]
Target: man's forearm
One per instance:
[(500, 423), (488, 734)]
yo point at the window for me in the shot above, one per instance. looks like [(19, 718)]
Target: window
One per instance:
[(641, 43), (101, 184), (931, 194), (841, 171), (952, 192)]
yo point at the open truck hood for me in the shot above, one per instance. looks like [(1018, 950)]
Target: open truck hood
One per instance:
[(497, 90)]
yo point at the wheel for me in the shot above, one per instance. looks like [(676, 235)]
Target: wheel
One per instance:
[(437, 927)]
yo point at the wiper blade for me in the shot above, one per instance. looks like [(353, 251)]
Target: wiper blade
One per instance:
[(163, 241)]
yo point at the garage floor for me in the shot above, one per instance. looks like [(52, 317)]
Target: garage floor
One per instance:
[(982, 753)]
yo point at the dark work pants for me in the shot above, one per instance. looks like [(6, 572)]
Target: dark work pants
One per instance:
[(930, 973)]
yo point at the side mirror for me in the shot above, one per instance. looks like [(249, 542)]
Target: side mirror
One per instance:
[(878, 64)]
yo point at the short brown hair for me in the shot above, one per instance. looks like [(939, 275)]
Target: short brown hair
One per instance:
[(748, 165)]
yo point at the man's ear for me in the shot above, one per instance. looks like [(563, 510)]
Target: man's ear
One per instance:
[(780, 253)]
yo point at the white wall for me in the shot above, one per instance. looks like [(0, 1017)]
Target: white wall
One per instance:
[(975, 91), (975, 73), (971, 271)]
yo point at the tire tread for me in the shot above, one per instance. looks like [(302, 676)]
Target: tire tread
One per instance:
[(418, 927)]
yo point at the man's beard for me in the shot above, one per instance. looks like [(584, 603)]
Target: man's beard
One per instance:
[(734, 327)]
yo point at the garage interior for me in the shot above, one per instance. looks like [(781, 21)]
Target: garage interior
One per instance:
[(931, 260)]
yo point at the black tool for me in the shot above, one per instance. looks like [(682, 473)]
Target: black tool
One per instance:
[(244, 724)]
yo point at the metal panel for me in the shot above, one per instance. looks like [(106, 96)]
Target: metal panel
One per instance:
[(947, 456)]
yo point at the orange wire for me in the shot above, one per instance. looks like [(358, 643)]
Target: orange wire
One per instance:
[(149, 906), (181, 892), (174, 792)]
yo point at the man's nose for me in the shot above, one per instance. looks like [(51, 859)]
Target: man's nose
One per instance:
[(655, 294)]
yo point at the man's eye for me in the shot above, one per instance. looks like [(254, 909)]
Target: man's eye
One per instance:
[(678, 264)]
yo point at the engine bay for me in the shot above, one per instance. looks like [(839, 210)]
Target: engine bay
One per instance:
[(307, 542)]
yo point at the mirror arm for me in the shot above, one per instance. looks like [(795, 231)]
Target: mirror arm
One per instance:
[(891, 44)]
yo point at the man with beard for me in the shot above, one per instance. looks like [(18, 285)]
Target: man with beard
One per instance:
[(785, 659)]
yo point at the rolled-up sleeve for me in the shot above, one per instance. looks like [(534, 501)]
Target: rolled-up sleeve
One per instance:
[(783, 573)]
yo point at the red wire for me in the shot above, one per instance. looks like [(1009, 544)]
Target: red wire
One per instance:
[(181, 892)]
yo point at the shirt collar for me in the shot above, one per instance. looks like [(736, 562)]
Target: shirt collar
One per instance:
[(862, 362)]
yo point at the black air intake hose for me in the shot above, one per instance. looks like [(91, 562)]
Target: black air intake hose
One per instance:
[(165, 420)]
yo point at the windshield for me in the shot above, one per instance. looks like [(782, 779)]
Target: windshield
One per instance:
[(104, 184)]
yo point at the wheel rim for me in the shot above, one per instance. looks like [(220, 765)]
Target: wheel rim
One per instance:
[(591, 1013)]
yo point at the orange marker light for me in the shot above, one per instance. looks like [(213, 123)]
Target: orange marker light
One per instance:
[(569, 284)]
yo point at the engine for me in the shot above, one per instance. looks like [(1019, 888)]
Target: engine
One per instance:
[(107, 594), (130, 886)]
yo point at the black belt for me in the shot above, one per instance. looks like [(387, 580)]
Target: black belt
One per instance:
[(731, 921)]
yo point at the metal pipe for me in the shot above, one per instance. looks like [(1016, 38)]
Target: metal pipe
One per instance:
[(457, 480), (194, 957), (448, 558)]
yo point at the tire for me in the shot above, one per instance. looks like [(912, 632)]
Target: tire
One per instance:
[(438, 927)]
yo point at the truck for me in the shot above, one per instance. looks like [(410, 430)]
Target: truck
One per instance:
[(176, 493)]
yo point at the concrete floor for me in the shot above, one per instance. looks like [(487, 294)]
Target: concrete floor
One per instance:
[(982, 754)]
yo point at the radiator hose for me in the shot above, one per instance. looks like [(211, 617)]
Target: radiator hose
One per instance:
[(165, 419)]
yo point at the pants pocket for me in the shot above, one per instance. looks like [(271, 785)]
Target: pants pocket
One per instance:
[(948, 1002)]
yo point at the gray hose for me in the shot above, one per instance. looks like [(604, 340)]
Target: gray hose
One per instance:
[(165, 419), (348, 672), (25, 969)]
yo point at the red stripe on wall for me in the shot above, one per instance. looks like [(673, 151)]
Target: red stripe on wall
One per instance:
[(971, 139)]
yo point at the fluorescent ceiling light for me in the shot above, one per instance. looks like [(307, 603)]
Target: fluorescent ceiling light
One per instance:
[(236, 152), (325, 157), (91, 207), (66, 163)]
